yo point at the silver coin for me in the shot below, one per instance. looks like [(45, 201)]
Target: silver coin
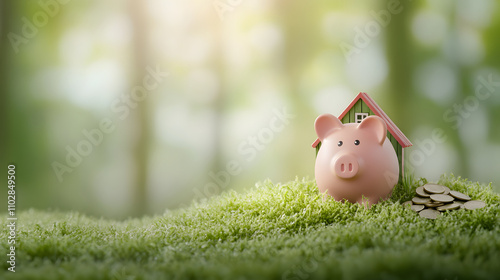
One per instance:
[(461, 203), (421, 192), (433, 188), (446, 190), (459, 195), (417, 208), (433, 204), (420, 200), (474, 204), (429, 214), (451, 206), (442, 198)]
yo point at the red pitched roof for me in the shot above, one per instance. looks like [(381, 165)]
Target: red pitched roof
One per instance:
[(393, 129)]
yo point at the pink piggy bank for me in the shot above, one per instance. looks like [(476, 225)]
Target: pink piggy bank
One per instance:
[(356, 161)]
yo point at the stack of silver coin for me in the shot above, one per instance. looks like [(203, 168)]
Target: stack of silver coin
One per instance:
[(432, 199)]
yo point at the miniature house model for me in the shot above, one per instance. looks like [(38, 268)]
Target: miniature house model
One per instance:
[(363, 106)]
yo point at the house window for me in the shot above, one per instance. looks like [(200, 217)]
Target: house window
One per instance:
[(360, 117)]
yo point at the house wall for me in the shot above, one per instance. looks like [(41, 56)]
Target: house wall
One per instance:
[(399, 153), (359, 107), (317, 148)]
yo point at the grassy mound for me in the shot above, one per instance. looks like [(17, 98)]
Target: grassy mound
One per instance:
[(272, 231)]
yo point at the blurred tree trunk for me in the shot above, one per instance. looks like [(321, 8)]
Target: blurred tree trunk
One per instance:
[(140, 113), (302, 43), (462, 74), (219, 103), (401, 61), (5, 15), (400, 55), (300, 47)]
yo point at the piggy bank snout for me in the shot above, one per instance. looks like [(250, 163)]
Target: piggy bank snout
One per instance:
[(345, 166)]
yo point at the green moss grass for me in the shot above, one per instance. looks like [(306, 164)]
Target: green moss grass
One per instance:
[(272, 231)]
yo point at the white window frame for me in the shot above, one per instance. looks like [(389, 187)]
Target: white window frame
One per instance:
[(359, 117)]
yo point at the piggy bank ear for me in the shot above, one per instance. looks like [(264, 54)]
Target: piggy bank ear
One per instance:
[(375, 125), (326, 124)]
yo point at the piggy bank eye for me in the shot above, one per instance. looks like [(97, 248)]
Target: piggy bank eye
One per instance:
[(340, 143), (356, 142)]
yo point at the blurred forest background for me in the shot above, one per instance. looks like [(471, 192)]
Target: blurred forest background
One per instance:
[(246, 80)]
